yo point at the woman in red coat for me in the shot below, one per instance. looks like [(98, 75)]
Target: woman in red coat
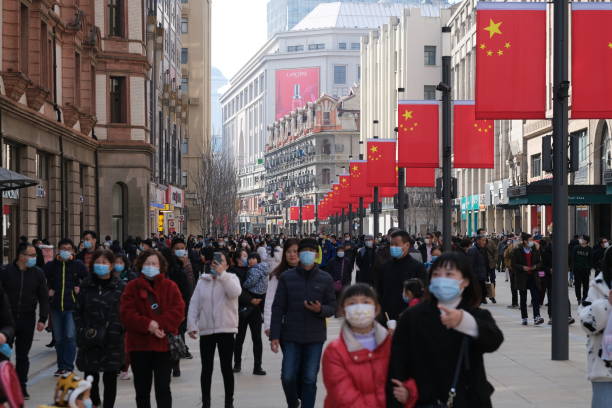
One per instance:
[(355, 365), (151, 307)]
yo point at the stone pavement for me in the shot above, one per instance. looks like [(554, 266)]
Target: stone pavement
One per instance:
[(521, 371)]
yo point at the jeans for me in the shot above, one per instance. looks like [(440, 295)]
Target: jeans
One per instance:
[(602, 394), (65, 341), (581, 281), (147, 365), (253, 321), (535, 298), (24, 334), (299, 371), (225, 343), (110, 389)]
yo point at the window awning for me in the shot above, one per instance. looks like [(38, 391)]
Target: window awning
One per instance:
[(540, 193), (10, 180)]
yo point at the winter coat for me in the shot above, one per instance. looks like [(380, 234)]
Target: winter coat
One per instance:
[(355, 377), (26, 290), (257, 279), (491, 249), (594, 316), (328, 252), (390, 283), (425, 350), (479, 262), (7, 324), (518, 261), (137, 314), (291, 321), (365, 263), (98, 308), (582, 258), (341, 269), (272, 286), (214, 305), (598, 254), (63, 277)]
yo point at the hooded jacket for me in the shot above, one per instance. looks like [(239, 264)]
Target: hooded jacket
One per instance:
[(214, 305), (594, 316)]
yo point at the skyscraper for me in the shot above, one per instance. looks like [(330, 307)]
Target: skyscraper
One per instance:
[(283, 15)]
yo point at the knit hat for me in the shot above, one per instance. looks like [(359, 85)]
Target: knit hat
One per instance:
[(69, 387), (308, 243)]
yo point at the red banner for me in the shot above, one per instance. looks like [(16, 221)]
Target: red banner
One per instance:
[(295, 88), (381, 162), (511, 60), (420, 177), (308, 212), (591, 60), (473, 140), (418, 133), (294, 213), (359, 179)]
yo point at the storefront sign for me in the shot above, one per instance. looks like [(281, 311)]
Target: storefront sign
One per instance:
[(175, 196), (40, 192), (11, 194)]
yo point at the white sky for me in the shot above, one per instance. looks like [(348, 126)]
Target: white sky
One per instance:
[(238, 30)]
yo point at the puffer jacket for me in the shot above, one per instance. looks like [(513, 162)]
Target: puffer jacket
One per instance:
[(355, 377), (594, 316), (214, 305), (98, 308), (256, 280), (63, 277)]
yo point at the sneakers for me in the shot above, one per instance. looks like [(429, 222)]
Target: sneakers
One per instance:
[(524, 322), (59, 373), (538, 321), (125, 375), (493, 300)]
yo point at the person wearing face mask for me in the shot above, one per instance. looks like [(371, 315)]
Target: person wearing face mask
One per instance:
[(426, 247), (365, 259), (598, 253), (436, 336), (151, 307), (511, 246), (98, 326), (394, 272), (479, 263), (413, 291), (304, 299), (90, 244), (64, 276), (526, 263), (340, 268), (355, 365), (71, 391), (582, 262), (26, 288)]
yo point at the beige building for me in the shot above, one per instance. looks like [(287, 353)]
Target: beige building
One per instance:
[(196, 83)]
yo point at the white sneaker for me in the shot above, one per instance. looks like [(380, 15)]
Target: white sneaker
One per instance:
[(125, 375)]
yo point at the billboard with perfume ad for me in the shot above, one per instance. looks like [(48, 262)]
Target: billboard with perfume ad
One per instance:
[(295, 88)]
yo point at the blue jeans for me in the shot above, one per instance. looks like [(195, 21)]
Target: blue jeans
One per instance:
[(299, 372), (65, 342), (602, 394)]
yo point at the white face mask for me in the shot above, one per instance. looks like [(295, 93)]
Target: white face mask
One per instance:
[(360, 315), (606, 244), (427, 241)]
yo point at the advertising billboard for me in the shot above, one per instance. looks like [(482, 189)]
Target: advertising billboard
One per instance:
[(295, 88)]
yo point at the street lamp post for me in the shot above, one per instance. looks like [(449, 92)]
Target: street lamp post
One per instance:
[(445, 87), (375, 206), (300, 217)]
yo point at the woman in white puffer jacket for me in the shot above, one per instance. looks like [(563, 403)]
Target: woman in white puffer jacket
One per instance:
[(213, 315), (594, 315), (289, 259)]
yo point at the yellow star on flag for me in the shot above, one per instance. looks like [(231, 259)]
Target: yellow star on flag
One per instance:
[(493, 28), (374, 149), (407, 114), (610, 45), (355, 168), (507, 45), (489, 53), (500, 52), (483, 46)]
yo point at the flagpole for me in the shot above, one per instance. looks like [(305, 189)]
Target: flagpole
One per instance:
[(361, 211), (445, 87), (375, 206), (560, 303)]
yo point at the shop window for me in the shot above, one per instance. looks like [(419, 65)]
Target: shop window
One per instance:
[(115, 20), (118, 214), (10, 158), (118, 100)]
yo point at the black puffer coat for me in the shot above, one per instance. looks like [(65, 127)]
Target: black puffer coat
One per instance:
[(98, 308)]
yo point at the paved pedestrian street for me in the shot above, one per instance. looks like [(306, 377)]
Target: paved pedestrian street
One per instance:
[(521, 371)]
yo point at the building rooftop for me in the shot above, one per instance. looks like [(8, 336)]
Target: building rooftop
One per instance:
[(359, 15)]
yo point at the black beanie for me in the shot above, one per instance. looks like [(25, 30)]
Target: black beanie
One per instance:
[(308, 243)]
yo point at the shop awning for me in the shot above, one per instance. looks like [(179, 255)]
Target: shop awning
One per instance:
[(540, 193), (10, 180)]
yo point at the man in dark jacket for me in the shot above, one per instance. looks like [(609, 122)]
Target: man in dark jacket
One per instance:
[(341, 267), (393, 273), (64, 276), (365, 259), (480, 264), (26, 288), (7, 324), (90, 244), (304, 299), (526, 262), (582, 262)]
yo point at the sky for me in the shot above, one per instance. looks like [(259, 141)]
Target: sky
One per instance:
[(238, 31)]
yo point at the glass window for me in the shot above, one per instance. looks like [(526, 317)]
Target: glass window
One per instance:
[(42, 166), (606, 153), (42, 223), (339, 74), (316, 46), (583, 147), (184, 55), (295, 48), (185, 86), (325, 176), (326, 118), (184, 25), (429, 93), (342, 46), (536, 165), (24, 38), (355, 46), (115, 21), (118, 100), (430, 55)]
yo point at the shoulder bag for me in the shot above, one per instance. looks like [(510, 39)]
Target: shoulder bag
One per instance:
[(176, 344)]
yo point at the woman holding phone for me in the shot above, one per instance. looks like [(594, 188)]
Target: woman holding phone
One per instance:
[(213, 315)]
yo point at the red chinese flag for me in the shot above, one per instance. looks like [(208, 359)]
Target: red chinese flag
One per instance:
[(420, 177), (473, 143), (387, 192), (359, 182), (308, 212), (381, 162), (591, 60), (511, 60), (294, 213), (418, 133)]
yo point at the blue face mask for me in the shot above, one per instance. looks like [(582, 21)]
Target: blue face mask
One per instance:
[(119, 267), (245, 262), (101, 269), (31, 262), (307, 258), (88, 403), (340, 254), (87, 244), (65, 255), (180, 253), (406, 299), (396, 252), (433, 258), (150, 271), (445, 289)]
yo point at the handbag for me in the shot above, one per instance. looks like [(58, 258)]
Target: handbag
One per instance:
[(490, 290), (176, 344)]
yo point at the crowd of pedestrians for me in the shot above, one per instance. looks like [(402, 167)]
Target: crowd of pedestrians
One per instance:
[(413, 329)]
